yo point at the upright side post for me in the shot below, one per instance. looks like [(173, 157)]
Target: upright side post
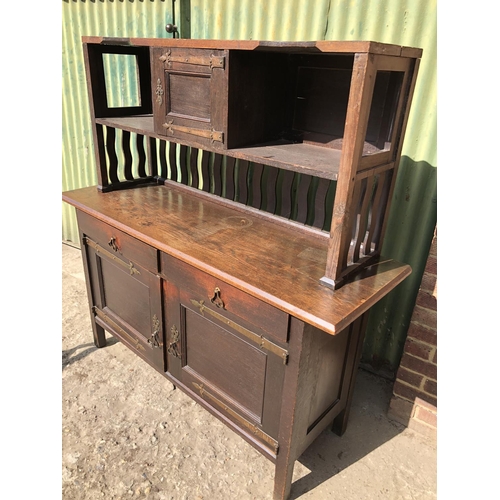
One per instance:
[(360, 96)]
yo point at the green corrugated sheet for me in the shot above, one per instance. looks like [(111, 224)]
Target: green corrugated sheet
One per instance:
[(124, 18), (412, 22)]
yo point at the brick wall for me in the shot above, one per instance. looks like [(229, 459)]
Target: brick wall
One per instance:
[(414, 400)]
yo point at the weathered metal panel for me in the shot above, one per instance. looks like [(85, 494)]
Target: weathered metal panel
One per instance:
[(125, 18), (404, 22)]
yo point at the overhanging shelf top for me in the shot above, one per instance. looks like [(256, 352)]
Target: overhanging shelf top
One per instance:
[(320, 46)]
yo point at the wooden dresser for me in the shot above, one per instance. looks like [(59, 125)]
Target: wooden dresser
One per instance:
[(233, 240)]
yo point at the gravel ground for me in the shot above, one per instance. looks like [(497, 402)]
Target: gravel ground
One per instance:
[(127, 434)]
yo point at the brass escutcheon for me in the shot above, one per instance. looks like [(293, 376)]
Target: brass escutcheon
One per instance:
[(112, 244), (216, 299)]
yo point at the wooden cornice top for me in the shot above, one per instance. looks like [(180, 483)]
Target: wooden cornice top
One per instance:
[(321, 46)]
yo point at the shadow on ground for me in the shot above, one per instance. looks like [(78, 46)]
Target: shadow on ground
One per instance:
[(69, 357), (369, 428)]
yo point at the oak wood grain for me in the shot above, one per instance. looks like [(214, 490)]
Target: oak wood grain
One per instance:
[(250, 253)]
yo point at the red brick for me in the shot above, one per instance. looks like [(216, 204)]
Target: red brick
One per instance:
[(431, 266), (418, 349), (433, 249), (409, 377), (410, 393), (424, 429), (435, 357), (427, 300), (430, 386), (428, 282), (419, 365), (425, 404), (401, 410), (422, 333), (404, 411), (424, 316), (426, 416)]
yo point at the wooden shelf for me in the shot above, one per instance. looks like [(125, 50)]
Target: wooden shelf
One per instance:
[(216, 239), (304, 158)]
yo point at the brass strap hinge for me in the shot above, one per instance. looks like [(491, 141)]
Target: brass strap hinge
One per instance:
[(256, 431), (112, 324), (211, 134), (258, 339), (211, 61), (100, 250)]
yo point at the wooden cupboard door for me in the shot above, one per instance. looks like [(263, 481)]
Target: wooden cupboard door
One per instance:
[(126, 301), (190, 89), (222, 361)]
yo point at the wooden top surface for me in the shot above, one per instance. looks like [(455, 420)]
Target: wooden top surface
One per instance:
[(306, 46), (278, 265)]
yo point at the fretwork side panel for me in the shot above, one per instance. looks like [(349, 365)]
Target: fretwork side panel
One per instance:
[(369, 210), (124, 158)]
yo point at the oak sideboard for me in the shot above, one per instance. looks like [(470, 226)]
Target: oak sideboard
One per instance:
[(233, 240)]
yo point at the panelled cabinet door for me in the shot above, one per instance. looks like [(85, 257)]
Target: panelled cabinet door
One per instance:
[(126, 301), (219, 358), (190, 95)]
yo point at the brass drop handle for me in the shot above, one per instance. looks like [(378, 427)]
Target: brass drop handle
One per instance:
[(173, 346), (112, 244), (154, 341), (216, 299)]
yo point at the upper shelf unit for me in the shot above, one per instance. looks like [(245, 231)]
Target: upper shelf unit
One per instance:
[(276, 103), (335, 111)]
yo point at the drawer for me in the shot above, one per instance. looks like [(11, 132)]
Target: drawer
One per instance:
[(226, 300), (118, 243)]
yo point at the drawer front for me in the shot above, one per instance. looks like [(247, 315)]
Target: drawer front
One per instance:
[(227, 300), (227, 365), (121, 245), (190, 86)]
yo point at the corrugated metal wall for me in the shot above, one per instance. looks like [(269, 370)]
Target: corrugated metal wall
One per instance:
[(405, 22), (143, 18)]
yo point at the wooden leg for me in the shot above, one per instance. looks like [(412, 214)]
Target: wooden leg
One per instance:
[(283, 480), (97, 330), (99, 335), (340, 422), (358, 329), (295, 409)]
